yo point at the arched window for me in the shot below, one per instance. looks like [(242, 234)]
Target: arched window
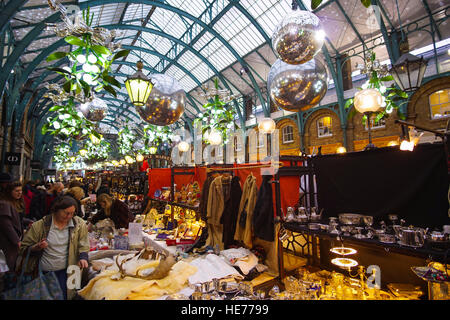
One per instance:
[(324, 127), (440, 104), (288, 134)]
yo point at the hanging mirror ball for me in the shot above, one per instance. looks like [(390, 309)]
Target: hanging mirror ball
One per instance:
[(95, 110), (165, 105), (298, 37), (297, 87)]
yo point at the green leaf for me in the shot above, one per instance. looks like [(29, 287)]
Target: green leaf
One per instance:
[(110, 90), (59, 70), (348, 103), (315, 4), (98, 49), (366, 3), (56, 56), (67, 86), (112, 81), (56, 108), (387, 78), (75, 41), (120, 54)]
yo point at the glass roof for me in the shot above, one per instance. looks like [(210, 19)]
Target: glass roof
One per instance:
[(197, 40)]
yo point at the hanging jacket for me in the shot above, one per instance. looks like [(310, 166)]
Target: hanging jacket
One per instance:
[(232, 199), (263, 220), (244, 228), (203, 206), (216, 202)]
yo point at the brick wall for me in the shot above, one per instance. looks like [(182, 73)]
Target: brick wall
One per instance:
[(311, 132)]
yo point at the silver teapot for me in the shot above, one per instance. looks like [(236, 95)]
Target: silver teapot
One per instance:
[(412, 237)]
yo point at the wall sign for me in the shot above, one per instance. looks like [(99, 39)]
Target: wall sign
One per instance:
[(12, 158)]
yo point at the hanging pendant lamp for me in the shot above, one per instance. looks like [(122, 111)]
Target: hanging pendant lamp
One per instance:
[(139, 86)]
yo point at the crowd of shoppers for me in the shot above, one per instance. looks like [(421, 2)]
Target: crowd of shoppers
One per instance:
[(49, 220)]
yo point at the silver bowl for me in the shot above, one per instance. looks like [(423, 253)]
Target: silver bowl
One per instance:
[(350, 218)]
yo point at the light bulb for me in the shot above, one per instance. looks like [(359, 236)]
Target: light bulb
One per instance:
[(87, 67), (407, 145), (122, 162), (341, 150), (83, 152)]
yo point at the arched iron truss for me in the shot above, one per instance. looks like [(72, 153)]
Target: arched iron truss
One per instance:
[(34, 106)]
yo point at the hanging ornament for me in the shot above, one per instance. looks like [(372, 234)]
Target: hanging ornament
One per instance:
[(95, 110), (165, 105), (298, 37), (297, 87)]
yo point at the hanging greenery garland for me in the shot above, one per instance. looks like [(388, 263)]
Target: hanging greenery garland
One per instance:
[(218, 116), (89, 71), (97, 152), (61, 154), (155, 135), (126, 139)]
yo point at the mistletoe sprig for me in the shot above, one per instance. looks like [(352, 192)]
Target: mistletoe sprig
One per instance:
[(69, 123), (61, 154), (126, 139), (155, 135), (97, 152), (390, 94), (90, 64), (218, 116)]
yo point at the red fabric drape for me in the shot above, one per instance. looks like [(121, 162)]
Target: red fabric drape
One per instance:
[(289, 186)]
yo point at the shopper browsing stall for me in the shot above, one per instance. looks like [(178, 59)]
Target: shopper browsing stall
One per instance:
[(114, 209), (57, 241)]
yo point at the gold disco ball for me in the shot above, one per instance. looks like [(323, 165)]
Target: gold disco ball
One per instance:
[(297, 87), (298, 37), (165, 104)]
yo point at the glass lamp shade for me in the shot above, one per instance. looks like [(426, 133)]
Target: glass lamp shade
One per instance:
[(73, 159), (115, 163), (183, 146), (267, 125), (139, 158), (368, 100), (129, 159), (83, 152), (138, 86), (122, 162), (153, 150), (408, 72), (214, 138)]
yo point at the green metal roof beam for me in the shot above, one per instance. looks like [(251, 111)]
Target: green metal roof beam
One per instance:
[(432, 21)]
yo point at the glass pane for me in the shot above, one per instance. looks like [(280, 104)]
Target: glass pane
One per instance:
[(444, 95), (434, 99)]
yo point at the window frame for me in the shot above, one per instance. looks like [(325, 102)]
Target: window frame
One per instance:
[(330, 134), (445, 116), (284, 134)]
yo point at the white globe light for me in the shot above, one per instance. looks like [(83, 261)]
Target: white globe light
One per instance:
[(139, 158), (368, 100), (81, 58), (267, 125), (214, 138), (183, 146), (87, 77)]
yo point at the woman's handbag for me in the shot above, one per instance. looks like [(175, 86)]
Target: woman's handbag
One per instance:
[(44, 287)]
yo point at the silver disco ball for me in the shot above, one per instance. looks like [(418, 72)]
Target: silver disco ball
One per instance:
[(165, 105), (95, 110), (298, 37), (297, 87)]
